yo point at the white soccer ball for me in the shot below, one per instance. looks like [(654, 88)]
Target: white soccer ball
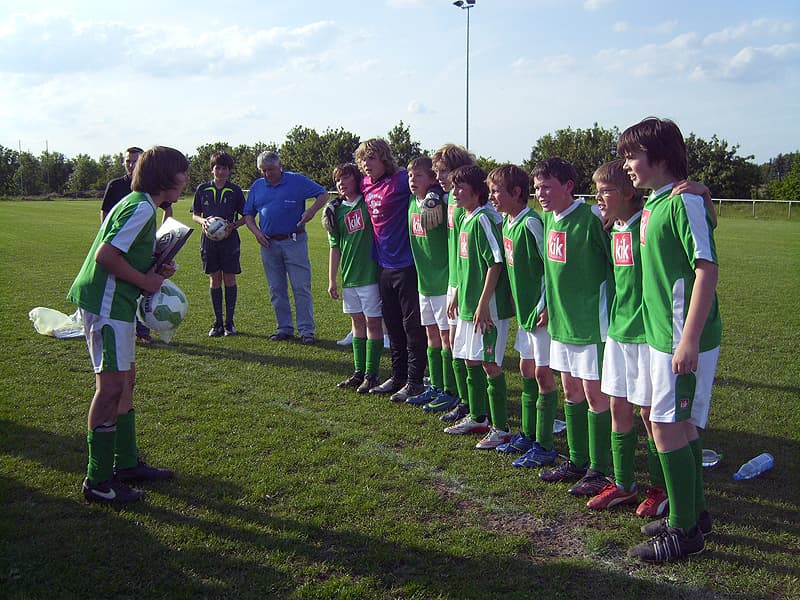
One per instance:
[(164, 310), (216, 229)]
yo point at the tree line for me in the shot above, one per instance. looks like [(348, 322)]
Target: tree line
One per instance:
[(715, 162)]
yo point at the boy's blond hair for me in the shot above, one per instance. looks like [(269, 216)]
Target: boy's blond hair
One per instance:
[(510, 176), (451, 156), (376, 147)]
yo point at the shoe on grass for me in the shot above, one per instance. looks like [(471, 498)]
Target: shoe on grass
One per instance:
[(590, 484), (421, 399), (279, 336), (216, 330), (519, 444), (354, 381), (536, 457), (441, 403), (143, 472), (309, 339), (468, 425), (704, 524), (230, 329), (611, 496), (656, 504), (409, 390), (370, 381), (672, 543), (390, 386), (493, 439), (566, 471), (110, 491), (458, 412)]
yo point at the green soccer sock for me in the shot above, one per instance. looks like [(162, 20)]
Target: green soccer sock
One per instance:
[(600, 441), (530, 391), (623, 448), (498, 401), (477, 386), (680, 478), (654, 465), (577, 432), (448, 374), (360, 353), (460, 371), (435, 367), (546, 405), (126, 454), (699, 493), (216, 304), (374, 349), (101, 454)]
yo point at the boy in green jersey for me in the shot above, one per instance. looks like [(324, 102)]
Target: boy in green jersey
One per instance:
[(523, 241), (116, 270), (682, 329), (482, 302), (578, 281), (428, 237), (351, 249)]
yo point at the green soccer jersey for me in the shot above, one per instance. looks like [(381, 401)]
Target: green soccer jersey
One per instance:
[(578, 275), (353, 237), (131, 228), (455, 216), (675, 233), (479, 247), (430, 252), (523, 241), (626, 323)]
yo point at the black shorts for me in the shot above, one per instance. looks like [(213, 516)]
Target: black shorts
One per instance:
[(221, 256)]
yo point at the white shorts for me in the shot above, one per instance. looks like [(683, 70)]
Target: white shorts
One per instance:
[(112, 343), (485, 347), (626, 372), (579, 361), (450, 292), (362, 299), (534, 345), (680, 398), (433, 311)]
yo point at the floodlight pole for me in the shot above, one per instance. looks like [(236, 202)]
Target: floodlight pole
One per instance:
[(466, 5)]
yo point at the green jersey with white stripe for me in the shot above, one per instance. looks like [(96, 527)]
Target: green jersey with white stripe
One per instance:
[(626, 310), (353, 237), (455, 216), (523, 241), (429, 248)]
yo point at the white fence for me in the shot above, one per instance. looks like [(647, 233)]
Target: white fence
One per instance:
[(720, 201)]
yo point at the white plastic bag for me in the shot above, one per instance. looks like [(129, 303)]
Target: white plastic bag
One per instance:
[(52, 322)]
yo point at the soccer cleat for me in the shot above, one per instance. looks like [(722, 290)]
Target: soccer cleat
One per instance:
[(216, 331), (670, 544), (143, 472), (536, 457), (109, 491), (409, 390), (281, 337), (458, 412), (443, 402), (144, 340), (424, 397), (390, 386), (704, 524), (230, 329), (566, 471), (467, 425), (355, 380), (590, 484), (611, 496), (519, 444), (493, 439), (370, 381), (655, 504)]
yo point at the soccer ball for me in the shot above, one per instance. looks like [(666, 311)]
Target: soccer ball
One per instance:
[(164, 310), (217, 229)]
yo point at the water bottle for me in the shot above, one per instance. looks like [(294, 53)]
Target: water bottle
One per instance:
[(754, 467), (559, 426)]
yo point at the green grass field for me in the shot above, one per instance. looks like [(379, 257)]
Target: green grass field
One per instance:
[(288, 488)]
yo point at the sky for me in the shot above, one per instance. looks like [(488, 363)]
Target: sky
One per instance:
[(95, 77)]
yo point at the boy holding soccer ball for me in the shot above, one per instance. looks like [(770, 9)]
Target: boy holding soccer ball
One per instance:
[(116, 270), (220, 198)]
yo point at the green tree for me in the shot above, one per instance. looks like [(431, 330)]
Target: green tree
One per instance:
[(717, 165), (199, 171), (85, 175), (56, 169), (788, 186), (306, 151), (586, 149), (245, 171), (9, 163), (111, 167), (404, 148), (487, 163), (29, 175)]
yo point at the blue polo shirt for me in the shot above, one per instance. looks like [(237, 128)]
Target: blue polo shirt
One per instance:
[(279, 207)]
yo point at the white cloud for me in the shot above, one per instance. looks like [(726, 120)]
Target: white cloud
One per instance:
[(546, 65), (758, 29), (595, 5), (418, 108)]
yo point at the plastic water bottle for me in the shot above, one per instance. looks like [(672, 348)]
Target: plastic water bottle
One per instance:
[(755, 467), (559, 426)]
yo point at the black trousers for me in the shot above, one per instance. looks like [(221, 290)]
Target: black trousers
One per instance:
[(400, 300)]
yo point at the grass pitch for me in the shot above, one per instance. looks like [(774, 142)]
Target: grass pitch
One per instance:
[(288, 487)]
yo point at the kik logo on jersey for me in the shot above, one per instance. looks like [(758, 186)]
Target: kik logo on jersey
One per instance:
[(643, 226), (416, 226), (451, 210), (508, 244), (354, 221), (557, 246), (623, 253), (463, 246)]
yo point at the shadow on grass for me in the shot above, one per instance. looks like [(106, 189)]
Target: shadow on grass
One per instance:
[(735, 382)]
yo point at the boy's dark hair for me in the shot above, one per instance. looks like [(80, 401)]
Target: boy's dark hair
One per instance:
[(555, 167), (380, 148), (134, 150), (157, 169), (343, 169), (452, 156), (474, 177), (661, 140), (614, 174), (223, 159), (510, 176), (422, 163)]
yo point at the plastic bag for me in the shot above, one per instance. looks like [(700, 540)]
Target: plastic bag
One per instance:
[(52, 322)]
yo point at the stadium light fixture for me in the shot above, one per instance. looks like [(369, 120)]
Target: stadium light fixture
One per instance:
[(466, 5)]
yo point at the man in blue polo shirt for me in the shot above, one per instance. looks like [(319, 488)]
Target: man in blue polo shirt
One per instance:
[(279, 200)]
